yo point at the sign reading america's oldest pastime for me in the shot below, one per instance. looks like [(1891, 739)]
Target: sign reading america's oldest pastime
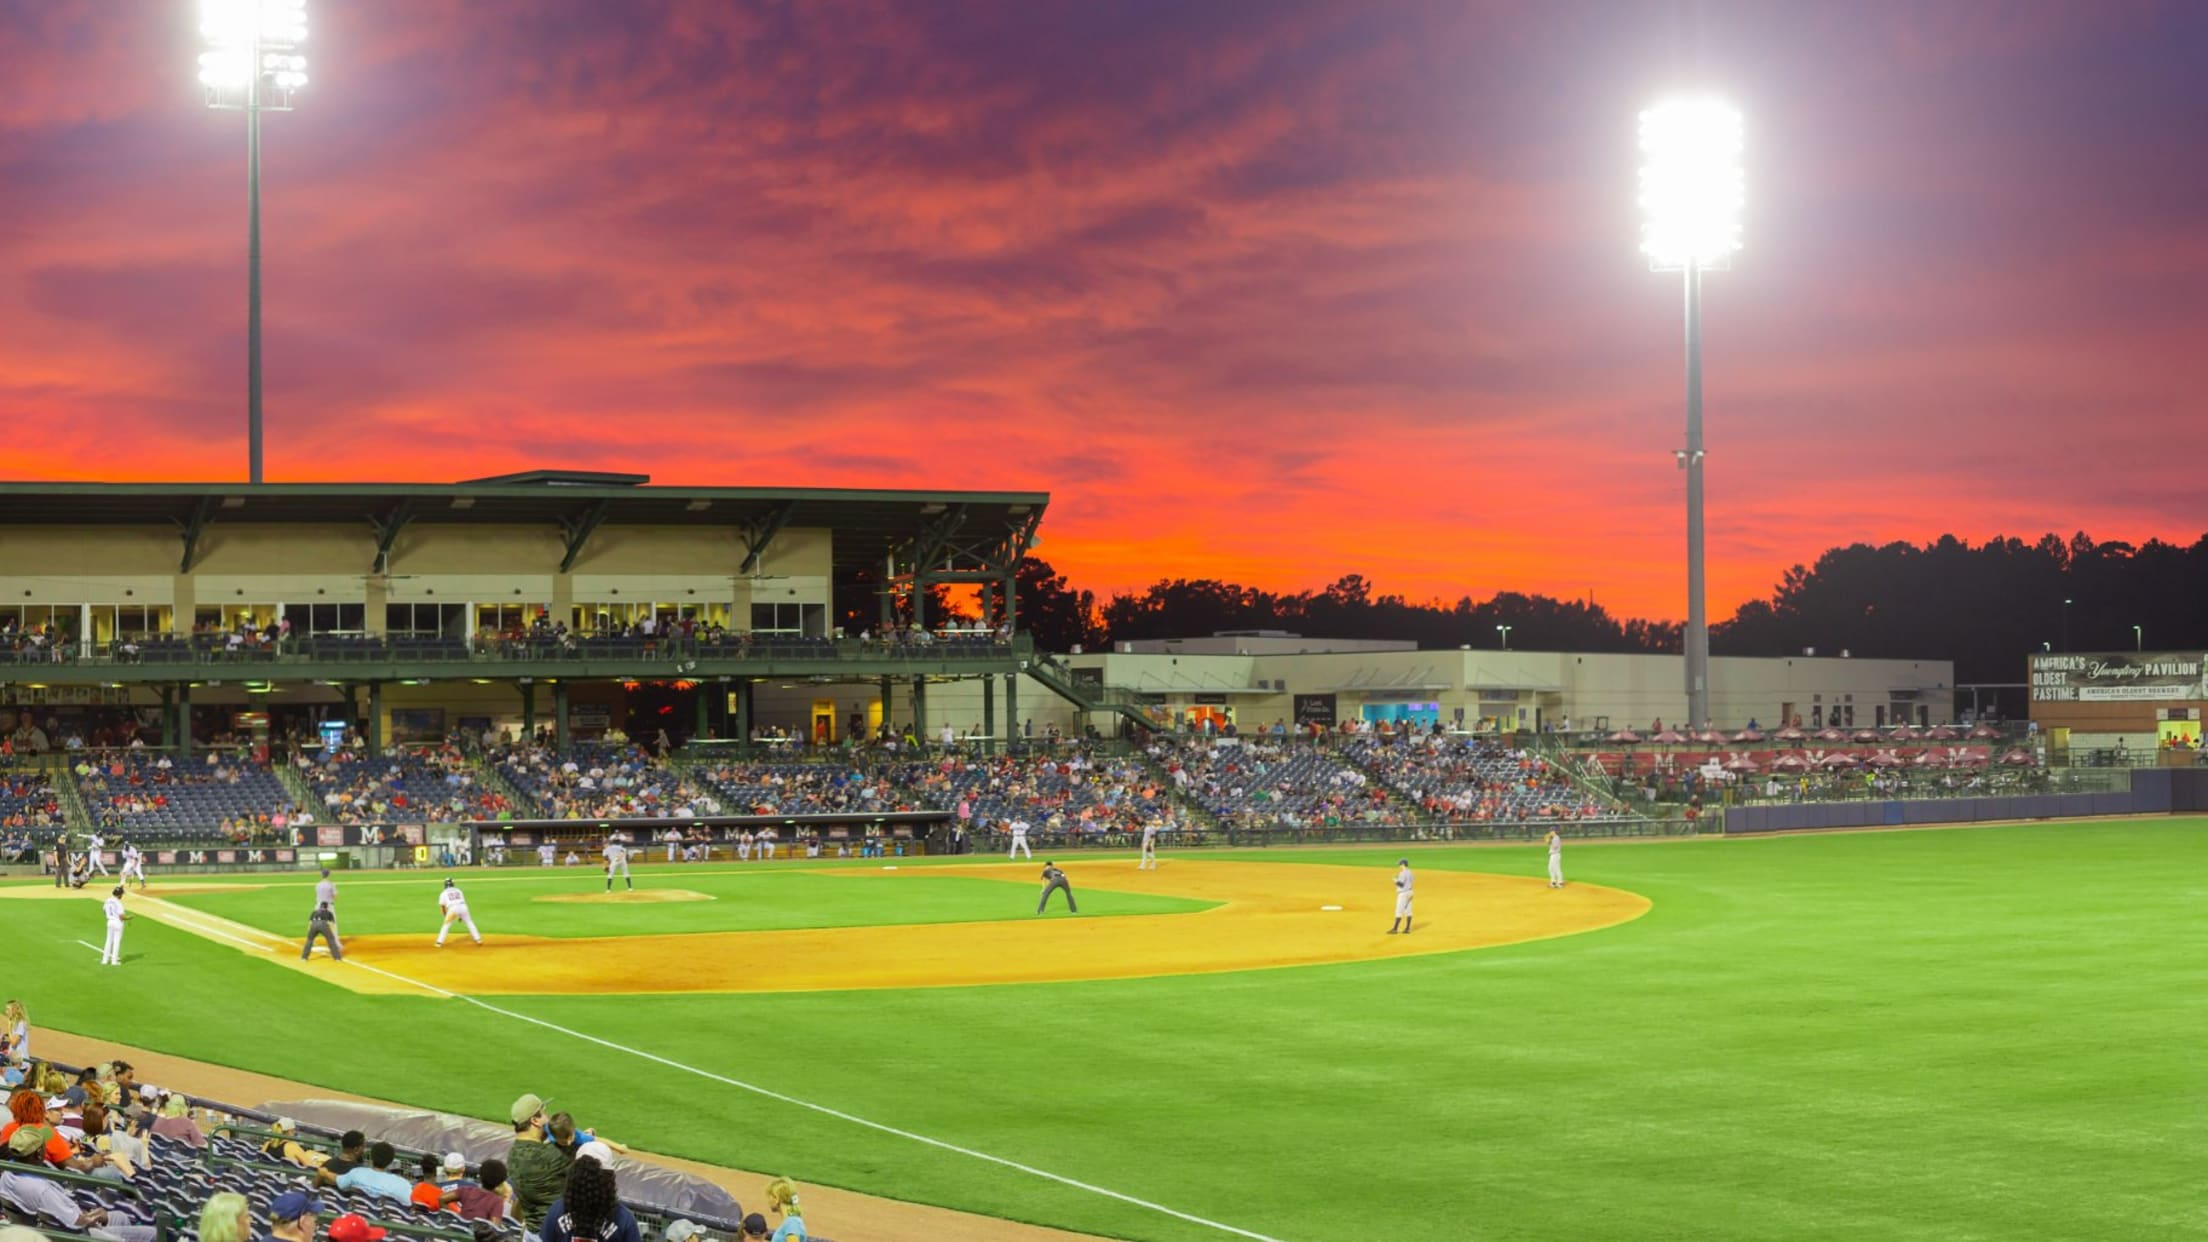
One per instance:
[(2121, 677)]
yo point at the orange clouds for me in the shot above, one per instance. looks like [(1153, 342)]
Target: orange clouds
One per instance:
[(1268, 292)]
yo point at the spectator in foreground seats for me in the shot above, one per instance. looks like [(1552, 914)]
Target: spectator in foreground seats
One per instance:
[(755, 1226), (293, 1215), (286, 1146), (351, 1154), (590, 1210), (377, 1178), (427, 1194), (176, 1122), (487, 1199), (226, 1218), (351, 1227), (538, 1168), (782, 1200), (36, 1196)]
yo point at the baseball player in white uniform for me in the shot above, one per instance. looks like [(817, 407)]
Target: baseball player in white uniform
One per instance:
[(673, 837), (455, 905), (1402, 898), (1149, 846), (112, 954), (617, 859), (134, 866), (768, 838), (1556, 859), (743, 846), (93, 845), (1019, 840), (545, 854)]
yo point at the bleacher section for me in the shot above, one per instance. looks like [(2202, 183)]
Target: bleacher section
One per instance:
[(745, 788), (1263, 781), (1074, 792), (208, 1148), (600, 781), (404, 786), (28, 799), (1467, 780), (208, 797)]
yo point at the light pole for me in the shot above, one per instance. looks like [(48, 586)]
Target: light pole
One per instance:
[(1691, 197), (2138, 638), (1504, 630), (2066, 626), (252, 65)]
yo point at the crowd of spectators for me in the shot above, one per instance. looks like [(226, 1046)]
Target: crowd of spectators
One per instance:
[(751, 788), (404, 786), (1078, 792), (97, 1153), (1470, 780), (1269, 781), (153, 789), (27, 800), (600, 780)]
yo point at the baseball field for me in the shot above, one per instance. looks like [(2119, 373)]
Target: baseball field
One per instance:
[(1986, 1033)]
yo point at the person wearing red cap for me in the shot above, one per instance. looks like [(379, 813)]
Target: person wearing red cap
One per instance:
[(353, 1227)]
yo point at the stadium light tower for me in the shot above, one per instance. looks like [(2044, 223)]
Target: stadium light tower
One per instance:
[(1691, 198), (252, 64)]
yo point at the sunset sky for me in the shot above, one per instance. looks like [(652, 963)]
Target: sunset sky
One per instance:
[(1269, 291)]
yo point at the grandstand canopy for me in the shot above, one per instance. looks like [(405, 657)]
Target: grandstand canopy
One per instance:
[(867, 523)]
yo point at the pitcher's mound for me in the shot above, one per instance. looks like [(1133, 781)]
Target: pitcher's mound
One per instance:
[(627, 895)]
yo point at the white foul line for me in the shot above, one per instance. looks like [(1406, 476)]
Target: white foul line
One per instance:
[(95, 948), (826, 1111)]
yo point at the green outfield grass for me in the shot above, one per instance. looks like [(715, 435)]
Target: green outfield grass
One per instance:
[(757, 899), (1974, 1034)]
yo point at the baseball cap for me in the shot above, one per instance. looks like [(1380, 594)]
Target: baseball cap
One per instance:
[(597, 1151), (683, 1230), (285, 1125), (455, 1162), (526, 1107), (352, 1227), (755, 1226), (293, 1204), (1402, 862)]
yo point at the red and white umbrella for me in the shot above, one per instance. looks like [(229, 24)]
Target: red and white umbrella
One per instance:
[(1709, 737), (1884, 759), (1748, 735), (1903, 733), (2017, 757), (1669, 737), (1866, 735), (1985, 731), (1830, 734), (1791, 733), (1941, 733), (1837, 759), (1927, 759), (1627, 736), (1741, 762)]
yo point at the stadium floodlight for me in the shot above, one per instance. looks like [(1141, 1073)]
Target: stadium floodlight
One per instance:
[(252, 64), (1504, 630), (1692, 192)]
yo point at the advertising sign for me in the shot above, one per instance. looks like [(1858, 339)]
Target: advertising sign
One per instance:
[(2122, 677), (1315, 709)]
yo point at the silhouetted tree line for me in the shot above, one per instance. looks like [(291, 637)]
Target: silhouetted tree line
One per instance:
[(1985, 606)]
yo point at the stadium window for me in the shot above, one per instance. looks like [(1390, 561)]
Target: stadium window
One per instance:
[(777, 619), (113, 621)]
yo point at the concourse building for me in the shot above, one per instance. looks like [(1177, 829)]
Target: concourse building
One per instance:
[(578, 602)]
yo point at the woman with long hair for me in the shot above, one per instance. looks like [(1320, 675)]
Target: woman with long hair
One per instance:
[(226, 1218), (590, 1209)]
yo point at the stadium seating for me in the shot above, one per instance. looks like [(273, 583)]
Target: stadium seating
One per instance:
[(754, 788), (28, 799), (402, 786), (1466, 780), (149, 794), (1274, 783), (169, 1189), (1071, 792), (600, 780)]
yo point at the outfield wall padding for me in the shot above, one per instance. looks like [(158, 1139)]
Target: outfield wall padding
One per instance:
[(2154, 791)]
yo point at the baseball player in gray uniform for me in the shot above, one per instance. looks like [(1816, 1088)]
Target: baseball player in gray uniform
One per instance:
[(1403, 882), (1054, 881), (617, 859)]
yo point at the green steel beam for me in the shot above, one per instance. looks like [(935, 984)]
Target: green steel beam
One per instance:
[(758, 535), (202, 514), (577, 531)]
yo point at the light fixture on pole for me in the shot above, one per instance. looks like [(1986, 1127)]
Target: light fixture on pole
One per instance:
[(252, 64), (1691, 198), (2066, 625), (1504, 630), (2138, 638)]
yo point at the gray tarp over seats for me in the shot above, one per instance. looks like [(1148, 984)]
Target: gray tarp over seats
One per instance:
[(661, 1189)]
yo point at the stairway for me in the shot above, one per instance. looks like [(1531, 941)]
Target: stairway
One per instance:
[(74, 812), (302, 793), (492, 777), (1058, 679)]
